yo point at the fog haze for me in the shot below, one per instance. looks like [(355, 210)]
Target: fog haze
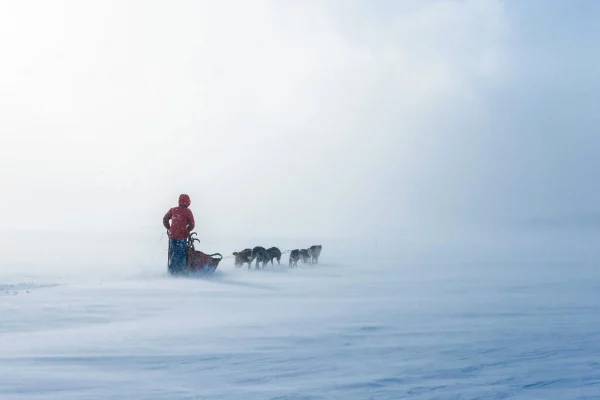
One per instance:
[(319, 119)]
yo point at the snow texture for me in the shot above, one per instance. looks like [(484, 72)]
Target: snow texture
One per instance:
[(348, 328)]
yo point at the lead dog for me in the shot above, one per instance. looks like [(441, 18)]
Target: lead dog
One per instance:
[(314, 252)]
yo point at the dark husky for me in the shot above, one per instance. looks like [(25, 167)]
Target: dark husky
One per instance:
[(304, 256), (314, 252), (274, 252), (260, 255), (294, 258)]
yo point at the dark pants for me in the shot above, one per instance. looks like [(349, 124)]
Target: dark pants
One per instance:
[(178, 256)]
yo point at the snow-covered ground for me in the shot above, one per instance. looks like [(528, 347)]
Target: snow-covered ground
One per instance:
[(349, 328)]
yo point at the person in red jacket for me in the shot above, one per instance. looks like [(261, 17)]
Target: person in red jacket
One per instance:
[(182, 223)]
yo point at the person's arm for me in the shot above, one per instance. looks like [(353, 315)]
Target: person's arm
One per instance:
[(166, 220), (191, 222)]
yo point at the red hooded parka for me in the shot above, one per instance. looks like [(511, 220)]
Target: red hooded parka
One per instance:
[(182, 219)]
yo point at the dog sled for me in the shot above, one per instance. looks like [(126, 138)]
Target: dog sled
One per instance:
[(197, 262)]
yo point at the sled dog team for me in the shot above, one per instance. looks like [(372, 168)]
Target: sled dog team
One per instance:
[(179, 222), (264, 256)]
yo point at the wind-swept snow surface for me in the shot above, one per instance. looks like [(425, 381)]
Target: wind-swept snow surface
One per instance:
[(371, 329)]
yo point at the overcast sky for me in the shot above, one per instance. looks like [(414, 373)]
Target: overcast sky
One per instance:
[(297, 118)]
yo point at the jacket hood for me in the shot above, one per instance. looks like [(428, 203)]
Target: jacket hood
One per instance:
[(184, 200)]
